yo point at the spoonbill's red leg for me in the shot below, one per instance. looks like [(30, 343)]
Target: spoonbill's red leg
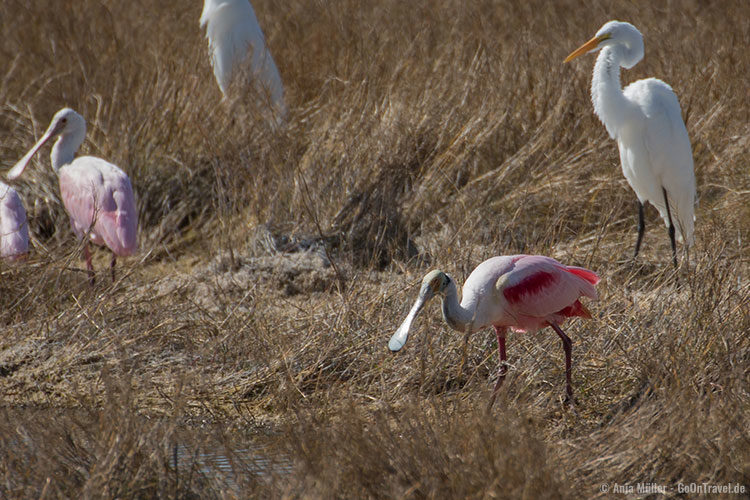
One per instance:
[(112, 266), (567, 347), (89, 265)]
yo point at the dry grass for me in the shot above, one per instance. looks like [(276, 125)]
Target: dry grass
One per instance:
[(276, 261)]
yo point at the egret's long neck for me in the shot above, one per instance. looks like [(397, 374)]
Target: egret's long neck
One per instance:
[(64, 150), (457, 316), (610, 104)]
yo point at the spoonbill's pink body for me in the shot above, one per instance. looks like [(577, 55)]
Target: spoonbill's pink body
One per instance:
[(521, 292), (14, 232), (97, 194)]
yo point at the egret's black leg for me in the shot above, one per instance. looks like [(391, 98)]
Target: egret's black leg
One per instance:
[(671, 228), (641, 228)]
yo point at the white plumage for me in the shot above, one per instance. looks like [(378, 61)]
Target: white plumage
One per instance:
[(233, 34), (646, 121)]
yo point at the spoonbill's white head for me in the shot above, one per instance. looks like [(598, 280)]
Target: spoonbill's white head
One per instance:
[(434, 283), (71, 127)]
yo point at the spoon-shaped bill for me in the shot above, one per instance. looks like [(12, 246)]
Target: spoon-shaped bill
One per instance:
[(17, 169), (399, 338)]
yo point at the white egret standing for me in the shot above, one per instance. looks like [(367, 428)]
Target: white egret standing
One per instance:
[(97, 194), (646, 121), (233, 31)]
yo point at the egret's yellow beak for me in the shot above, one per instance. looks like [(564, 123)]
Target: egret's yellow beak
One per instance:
[(586, 47)]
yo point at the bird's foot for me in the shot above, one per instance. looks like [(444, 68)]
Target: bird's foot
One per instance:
[(569, 402), (500, 379)]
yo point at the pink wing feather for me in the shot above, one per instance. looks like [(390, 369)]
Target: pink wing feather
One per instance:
[(589, 276), (538, 288), (99, 199)]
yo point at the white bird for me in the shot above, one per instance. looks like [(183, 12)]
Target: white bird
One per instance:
[(232, 31), (521, 292), (14, 230), (646, 121), (97, 194)]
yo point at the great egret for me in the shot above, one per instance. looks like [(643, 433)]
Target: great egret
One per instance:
[(14, 231), (646, 121), (97, 194), (232, 31), (523, 292)]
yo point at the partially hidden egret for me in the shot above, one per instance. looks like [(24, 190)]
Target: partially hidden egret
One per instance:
[(233, 35), (14, 230), (521, 292), (97, 194), (646, 121)]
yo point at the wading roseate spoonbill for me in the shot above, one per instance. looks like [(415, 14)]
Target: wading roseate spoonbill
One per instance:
[(14, 231), (97, 195), (646, 121), (234, 34), (521, 292)]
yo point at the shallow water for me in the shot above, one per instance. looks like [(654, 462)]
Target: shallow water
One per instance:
[(199, 456), (227, 465)]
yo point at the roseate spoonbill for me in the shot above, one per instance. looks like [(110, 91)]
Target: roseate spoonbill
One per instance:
[(232, 31), (97, 194), (14, 231), (646, 121), (521, 292)]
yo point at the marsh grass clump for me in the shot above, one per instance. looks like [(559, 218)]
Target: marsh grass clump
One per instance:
[(113, 452), (276, 259), (442, 449)]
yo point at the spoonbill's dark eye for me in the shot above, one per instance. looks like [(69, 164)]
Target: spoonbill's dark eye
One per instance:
[(64, 120)]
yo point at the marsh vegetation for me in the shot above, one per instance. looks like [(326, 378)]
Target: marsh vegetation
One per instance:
[(276, 261)]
